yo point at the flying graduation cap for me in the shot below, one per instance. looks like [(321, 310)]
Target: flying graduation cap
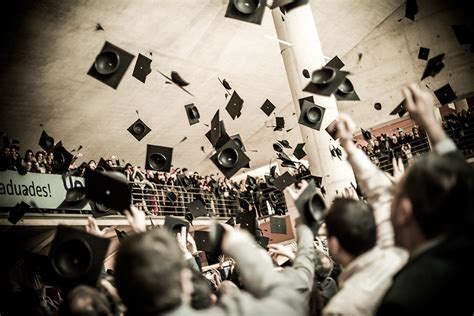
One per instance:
[(246, 10), (299, 153), (434, 66), (142, 68), (234, 106), (177, 80), (267, 107)]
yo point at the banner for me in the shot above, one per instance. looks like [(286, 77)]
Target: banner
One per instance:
[(46, 191)]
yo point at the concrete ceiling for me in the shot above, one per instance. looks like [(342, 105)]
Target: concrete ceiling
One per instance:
[(50, 46)]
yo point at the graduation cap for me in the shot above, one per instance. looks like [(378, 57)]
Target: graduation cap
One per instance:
[(177, 80), (423, 53), (246, 10), (171, 196), (234, 106), (311, 115), (61, 158), (280, 123), (142, 68), (278, 147), (192, 113), (139, 129), (463, 34), (411, 9), (46, 142), (229, 159), (284, 180), (225, 84), (377, 106), (445, 94), (332, 129), (158, 158), (299, 153), (309, 99), (285, 143), (325, 81), (121, 235), (263, 242), (109, 188), (311, 207), (203, 240), (103, 165), (215, 133), (270, 180), (110, 65), (197, 208), (400, 109), (17, 212), (336, 63), (244, 204), (238, 141), (366, 134), (100, 210), (174, 224), (278, 225), (346, 92), (306, 74), (75, 199), (251, 182), (247, 221), (434, 66), (77, 257), (230, 221), (267, 107), (286, 161)]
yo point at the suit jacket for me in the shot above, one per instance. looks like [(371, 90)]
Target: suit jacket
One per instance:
[(436, 282)]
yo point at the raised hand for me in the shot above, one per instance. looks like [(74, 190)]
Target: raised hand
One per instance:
[(93, 228), (398, 170), (136, 219), (420, 104)]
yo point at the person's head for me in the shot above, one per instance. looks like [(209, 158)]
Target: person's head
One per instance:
[(394, 139), (202, 296), (128, 167), (39, 156), (323, 266), (226, 288), (29, 155), (434, 197), (92, 165), (351, 229), (84, 300), (6, 151), (150, 273)]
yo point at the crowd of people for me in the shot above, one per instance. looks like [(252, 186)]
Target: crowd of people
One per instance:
[(405, 248)]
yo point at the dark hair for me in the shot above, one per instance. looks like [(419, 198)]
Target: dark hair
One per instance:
[(440, 189), (99, 304), (201, 297), (352, 223), (148, 273)]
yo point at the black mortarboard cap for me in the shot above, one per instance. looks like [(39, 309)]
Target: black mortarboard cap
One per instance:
[(229, 158), (411, 9), (445, 94), (325, 81), (109, 188), (270, 180), (267, 107), (238, 141), (278, 147), (263, 242), (335, 63), (299, 152), (75, 199), (400, 109), (158, 158), (139, 129), (46, 142), (284, 180), (247, 221), (215, 132), (309, 99), (99, 210), (234, 106), (311, 206), (463, 34), (285, 143), (306, 74), (316, 179), (171, 196), (197, 208), (434, 66), (346, 92), (366, 134), (377, 106), (110, 65), (192, 113), (77, 257), (202, 239), (332, 129), (280, 123), (423, 53), (176, 79), (311, 115), (142, 68), (246, 10), (286, 161), (17, 212), (278, 225), (174, 224), (225, 84), (103, 165), (244, 204), (121, 235), (61, 158)]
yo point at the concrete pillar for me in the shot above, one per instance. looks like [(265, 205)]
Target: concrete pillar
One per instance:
[(298, 28), (461, 105)]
